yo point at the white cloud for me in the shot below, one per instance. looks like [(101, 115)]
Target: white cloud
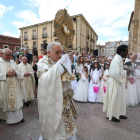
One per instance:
[(4, 9), (10, 34), (107, 17)]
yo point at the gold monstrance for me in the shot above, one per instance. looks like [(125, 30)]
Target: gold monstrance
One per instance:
[(64, 28)]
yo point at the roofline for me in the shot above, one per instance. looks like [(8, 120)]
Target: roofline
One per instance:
[(116, 41), (132, 14), (86, 22), (9, 36), (51, 21)]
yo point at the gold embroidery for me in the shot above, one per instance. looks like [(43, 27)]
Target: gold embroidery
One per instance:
[(68, 111), (11, 89), (28, 84), (66, 76)]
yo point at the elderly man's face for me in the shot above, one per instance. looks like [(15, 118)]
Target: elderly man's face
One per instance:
[(1, 54), (133, 58), (55, 54), (7, 55), (109, 60), (24, 60)]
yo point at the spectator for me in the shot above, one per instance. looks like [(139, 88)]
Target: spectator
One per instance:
[(20, 58), (42, 54), (17, 61), (28, 55), (34, 66), (34, 52)]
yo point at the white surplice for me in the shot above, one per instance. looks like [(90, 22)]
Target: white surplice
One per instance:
[(115, 103), (10, 96), (27, 84), (54, 102)]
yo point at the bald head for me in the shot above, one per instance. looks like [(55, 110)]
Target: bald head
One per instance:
[(133, 57), (24, 60), (7, 53)]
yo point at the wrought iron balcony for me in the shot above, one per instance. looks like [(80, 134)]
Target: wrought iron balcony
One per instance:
[(34, 37), (44, 35), (88, 37), (25, 38)]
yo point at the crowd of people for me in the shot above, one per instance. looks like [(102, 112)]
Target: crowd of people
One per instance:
[(25, 76), (92, 74)]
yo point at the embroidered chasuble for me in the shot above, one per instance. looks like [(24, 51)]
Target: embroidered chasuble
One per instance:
[(10, 97), (27, 84), (56, 107)]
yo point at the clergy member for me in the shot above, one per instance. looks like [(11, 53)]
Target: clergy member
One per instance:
[(115, 103), (27, 82), (56, 108), (10, 96)]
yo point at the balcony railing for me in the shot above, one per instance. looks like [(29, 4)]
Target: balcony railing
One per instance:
[(54, 34), (25, 38), (44, 35), (93, 41), (88, 36), (34, 37), (34, 47)]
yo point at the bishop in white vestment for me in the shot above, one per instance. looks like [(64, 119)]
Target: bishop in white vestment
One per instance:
[(27, 81), (115, 103), (10, 96), (56, 107)]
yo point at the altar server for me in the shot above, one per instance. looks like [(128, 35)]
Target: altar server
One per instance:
[(27, 82)]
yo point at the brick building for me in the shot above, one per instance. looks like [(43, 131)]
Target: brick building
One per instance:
[(9, 42)]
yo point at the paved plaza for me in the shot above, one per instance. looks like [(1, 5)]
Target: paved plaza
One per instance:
[(91, 124)]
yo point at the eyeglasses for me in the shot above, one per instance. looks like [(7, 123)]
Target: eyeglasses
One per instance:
[(8, 54)]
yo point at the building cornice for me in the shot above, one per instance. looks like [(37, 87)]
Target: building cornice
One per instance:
[(47, 22), (132, 14)]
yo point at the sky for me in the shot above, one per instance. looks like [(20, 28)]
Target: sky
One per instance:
[(108, 18)]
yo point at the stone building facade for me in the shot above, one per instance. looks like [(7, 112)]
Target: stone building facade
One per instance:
[(134, 29), (38, 35), (111, 47), (101, 50), (12, 43)]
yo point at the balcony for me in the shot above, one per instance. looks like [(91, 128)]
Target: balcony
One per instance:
[(34, 37), (91, 39), (44, 35), (54, 34), (25, 38), (88, 36), (34, 47), (87, 48)]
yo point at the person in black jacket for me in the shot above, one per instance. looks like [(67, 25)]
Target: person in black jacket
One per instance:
[(28, 55)]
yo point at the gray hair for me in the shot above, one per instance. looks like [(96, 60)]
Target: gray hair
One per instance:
[(50, 45), (110, 57)]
